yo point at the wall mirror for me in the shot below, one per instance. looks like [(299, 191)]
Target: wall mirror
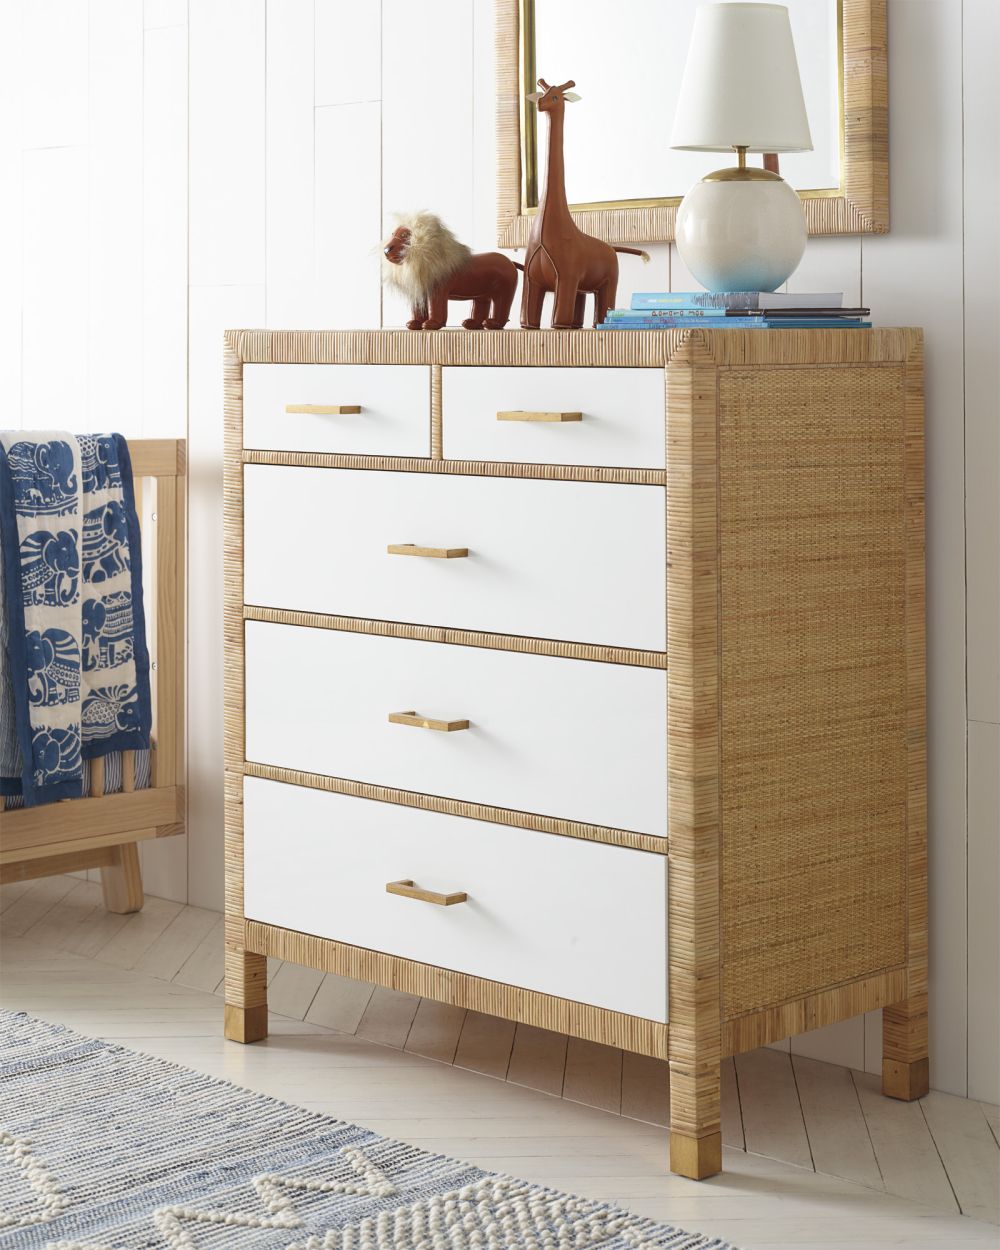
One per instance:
[(623, 181)]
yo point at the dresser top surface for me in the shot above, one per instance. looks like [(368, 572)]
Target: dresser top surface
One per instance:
[(584, 348)]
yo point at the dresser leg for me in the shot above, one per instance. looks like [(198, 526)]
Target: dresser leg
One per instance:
[(695, 1131), (246, 997), (905, 1071)]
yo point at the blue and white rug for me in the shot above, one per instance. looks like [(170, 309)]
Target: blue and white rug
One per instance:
[(105, 1149)]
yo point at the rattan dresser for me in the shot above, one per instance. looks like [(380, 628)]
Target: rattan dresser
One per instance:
[(463, 759)]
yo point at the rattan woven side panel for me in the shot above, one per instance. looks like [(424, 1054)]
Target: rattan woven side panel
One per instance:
[(813, 560)]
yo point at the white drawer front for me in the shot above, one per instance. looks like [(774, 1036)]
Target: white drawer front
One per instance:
[(395, 403), (621, 415), (575, 919), (576, 561), (569, 738)]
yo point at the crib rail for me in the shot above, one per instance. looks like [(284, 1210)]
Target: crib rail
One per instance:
[(99, 830)]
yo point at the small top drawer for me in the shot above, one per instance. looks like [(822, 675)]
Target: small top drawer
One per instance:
[(367, 410), (611, 417)]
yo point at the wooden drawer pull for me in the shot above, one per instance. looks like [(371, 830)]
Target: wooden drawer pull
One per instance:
[(433, 553), (539, 416), (423, 722), (325, 410), (406, 889)]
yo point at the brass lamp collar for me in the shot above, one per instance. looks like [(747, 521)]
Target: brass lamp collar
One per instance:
[(742, 172)]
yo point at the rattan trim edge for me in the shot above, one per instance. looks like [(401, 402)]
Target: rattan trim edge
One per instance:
[(814, 1011), (460, 807), (694, 711), (622, 349), (905, 1022), (465, 468), (544, 1011), (590, 652)]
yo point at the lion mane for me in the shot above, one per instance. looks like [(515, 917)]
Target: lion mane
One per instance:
[(432, 255)]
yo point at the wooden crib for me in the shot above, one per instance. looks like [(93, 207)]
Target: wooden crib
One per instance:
[(103, 830)]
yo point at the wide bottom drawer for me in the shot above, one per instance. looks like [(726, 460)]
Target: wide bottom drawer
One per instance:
[(576, 919)]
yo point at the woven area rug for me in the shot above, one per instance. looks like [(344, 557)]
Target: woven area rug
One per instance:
[(102, 1148)]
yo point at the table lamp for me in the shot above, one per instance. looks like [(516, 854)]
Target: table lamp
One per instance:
[(741, 229)]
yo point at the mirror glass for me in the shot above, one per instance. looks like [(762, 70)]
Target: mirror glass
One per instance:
[(627, 60)]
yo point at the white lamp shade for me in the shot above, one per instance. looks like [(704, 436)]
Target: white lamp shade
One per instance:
[(741, 83)]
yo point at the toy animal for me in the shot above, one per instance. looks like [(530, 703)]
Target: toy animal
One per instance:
[(560, 257), (427, 264)]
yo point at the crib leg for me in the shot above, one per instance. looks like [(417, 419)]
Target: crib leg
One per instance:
[(121, 880)]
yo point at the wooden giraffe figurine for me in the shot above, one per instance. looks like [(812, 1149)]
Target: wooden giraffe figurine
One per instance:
[(560, 257)]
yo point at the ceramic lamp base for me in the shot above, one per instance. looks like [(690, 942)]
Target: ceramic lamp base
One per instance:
[(741, 236)]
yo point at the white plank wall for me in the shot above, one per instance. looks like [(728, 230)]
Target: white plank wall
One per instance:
[(169, 169)]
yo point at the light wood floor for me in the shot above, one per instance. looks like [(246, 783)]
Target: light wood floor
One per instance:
[(815, 1156)]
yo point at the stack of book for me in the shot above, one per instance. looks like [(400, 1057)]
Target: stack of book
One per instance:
[(730, 310)]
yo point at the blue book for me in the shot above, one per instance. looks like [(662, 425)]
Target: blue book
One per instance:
[(643, 301), (639, 322), (694, 314)]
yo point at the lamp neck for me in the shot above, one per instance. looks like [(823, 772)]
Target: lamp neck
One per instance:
[(742, 172)]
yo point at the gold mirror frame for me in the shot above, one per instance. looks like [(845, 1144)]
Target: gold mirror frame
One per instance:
[(861, 206)]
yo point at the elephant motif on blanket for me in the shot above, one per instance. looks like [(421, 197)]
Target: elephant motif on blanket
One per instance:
[(105, 542), (107, 631), (50, 568), (43, 477), (55, 754), (53, 664), (110, 710), (99, 461)]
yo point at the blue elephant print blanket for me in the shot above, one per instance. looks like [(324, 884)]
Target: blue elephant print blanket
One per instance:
[(74, 666)]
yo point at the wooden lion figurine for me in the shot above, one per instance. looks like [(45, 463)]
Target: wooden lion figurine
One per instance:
[(426, 263)]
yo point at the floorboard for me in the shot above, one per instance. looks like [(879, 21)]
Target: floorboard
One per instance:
[(769, 1102), (37, 901), (205, 967), (593, 1075), (485, 1045), (292, 990), (968, 1152), (907, 1157), (388, 1017), (11, 892), (538, 1059), (340, 1003), (834, 1122), (992, 1118), (435, 1030), (732, 1114), (165, 957), (143, 928), (645, 1089)]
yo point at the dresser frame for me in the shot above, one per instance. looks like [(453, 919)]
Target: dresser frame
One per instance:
[(734, 984)]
